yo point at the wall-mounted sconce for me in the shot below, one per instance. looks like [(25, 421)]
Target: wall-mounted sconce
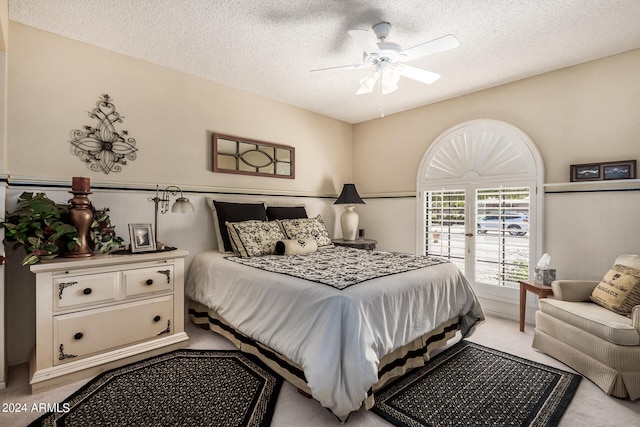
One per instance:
[(181, 205)]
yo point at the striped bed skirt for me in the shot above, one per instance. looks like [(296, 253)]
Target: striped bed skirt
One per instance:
[(393, 365)]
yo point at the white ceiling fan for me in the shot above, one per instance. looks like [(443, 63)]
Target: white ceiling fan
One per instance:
[(386, 60)]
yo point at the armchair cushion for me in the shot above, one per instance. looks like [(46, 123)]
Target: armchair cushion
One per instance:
[(573, 290), (594, 319), (619, 290)]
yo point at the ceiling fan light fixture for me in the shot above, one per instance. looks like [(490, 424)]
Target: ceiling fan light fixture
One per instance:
[(390, 79), (386, 60), (368, 82)]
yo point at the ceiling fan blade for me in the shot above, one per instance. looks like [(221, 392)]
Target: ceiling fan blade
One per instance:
[(368, 82), (339, 68), (418, 74), (365, 39), (434, 46)]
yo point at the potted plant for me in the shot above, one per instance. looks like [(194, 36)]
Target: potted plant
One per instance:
[(43, 228)]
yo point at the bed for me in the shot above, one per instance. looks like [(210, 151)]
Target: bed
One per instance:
[(336, 322)]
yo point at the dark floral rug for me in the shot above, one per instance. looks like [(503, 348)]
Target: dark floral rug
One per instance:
[(180, 388), (472, 385)]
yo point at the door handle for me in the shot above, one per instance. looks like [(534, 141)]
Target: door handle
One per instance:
[(468, 246)]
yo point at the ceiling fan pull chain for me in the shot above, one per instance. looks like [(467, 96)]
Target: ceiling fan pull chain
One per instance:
[(380, 96)]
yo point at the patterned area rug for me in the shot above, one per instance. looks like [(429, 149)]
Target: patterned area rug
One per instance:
[(472, 385), (180, 388), (339, 267)]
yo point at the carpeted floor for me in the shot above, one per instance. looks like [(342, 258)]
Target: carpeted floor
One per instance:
[(472, 385), (181, 388), (589, 407)]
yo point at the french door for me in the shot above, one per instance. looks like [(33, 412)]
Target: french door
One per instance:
[(486, 229)]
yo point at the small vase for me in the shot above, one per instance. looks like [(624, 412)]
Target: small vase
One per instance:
[(81, 216)]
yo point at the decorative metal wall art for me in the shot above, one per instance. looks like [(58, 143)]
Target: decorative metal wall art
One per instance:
[(103, 148), (232, 154)]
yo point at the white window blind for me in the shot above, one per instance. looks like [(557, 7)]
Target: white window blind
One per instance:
[(502, 237), (445, 227), (488, 240)]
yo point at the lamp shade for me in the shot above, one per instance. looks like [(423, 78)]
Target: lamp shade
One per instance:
[(349, 196), (182, 205)]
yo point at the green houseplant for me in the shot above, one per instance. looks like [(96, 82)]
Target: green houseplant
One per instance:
[(43, 228)]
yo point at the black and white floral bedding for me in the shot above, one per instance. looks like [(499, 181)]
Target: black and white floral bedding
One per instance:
[(337, 335), (339, 267)]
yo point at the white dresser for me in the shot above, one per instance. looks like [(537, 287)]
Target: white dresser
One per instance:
[(97, 313)]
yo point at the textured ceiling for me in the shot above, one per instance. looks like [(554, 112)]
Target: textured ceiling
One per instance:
[(268, 47)]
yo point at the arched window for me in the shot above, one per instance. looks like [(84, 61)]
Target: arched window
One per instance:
[(480, 203)]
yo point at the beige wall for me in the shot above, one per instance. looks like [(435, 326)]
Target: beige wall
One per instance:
[(4, 28), (55, 81), (581, 114), (586, 113)]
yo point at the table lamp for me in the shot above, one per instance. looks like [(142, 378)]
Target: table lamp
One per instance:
[(349, 219), (181, 205)]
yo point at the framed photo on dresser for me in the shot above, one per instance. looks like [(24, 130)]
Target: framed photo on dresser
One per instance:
[(142, 239)]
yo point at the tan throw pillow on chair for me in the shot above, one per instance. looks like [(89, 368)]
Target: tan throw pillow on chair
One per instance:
[(619, 290)]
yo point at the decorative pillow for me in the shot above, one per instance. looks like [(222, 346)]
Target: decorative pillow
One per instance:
[(619, 290), (630, 260), (296, 246), (224, 212), (303, 228), (286, 212), (254, 238)]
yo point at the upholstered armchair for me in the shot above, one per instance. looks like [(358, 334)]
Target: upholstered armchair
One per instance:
[(598, 340)]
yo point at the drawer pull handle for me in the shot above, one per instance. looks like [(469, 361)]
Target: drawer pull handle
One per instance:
[(149, 282), (78, 336), (62, 287), (166, 273), (87, 291), (62, 354), (167, 330), (156, 319)]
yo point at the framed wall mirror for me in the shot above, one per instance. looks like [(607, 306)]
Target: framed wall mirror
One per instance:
[(232, 154)]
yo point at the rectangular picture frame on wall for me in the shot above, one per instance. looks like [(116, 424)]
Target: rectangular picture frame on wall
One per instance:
[(242, 156), (622, 169), (142, 239), (619, 170), (585, 172)]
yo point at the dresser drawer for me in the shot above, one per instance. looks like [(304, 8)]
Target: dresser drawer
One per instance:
[(84, 290), (148, 280), (84, 333)]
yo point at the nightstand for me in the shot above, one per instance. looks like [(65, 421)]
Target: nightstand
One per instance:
[(102, 312), (367, 244), (539, 289)]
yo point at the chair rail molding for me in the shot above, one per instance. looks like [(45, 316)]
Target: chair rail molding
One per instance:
[(97, 185)]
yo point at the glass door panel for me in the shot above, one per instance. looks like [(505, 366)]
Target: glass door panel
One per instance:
[(445, 227)]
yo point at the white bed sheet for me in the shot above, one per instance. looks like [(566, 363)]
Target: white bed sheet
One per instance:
[(336, 336)]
